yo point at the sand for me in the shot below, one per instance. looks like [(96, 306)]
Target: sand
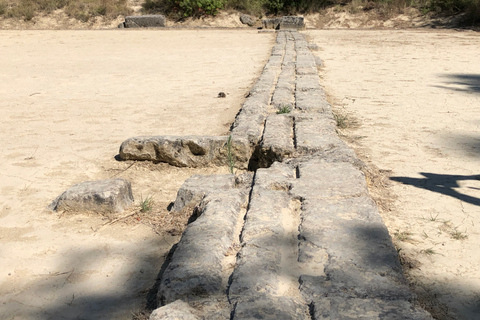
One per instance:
[(69, 98), (415, 98)]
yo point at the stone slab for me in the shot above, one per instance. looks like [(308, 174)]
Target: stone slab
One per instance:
[(177, 310), (195, 188), (277, 142), (271, 308), (103, 196), (150, 21), (197, 268), (323, 180), (366, 309)]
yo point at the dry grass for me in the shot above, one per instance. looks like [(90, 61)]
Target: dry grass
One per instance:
[(80, 9)]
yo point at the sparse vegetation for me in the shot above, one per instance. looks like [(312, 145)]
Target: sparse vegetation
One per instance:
[(458, 235), (403, 236), (283, 110), (429, 251), (79, 9), (146, 204), (84, 10)]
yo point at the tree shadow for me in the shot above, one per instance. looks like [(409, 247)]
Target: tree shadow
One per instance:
[(72, 294), (443, 184), (461, 82)]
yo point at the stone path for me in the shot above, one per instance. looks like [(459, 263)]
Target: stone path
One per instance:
[(297, 237)]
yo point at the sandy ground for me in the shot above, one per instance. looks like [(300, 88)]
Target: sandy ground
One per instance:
[(68, 100), (413, 99)]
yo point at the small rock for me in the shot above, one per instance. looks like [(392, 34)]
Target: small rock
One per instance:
[(221, 95), (248, 20), (103, 196)]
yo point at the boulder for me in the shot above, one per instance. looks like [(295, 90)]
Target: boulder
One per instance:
[(248, 20), (103, 196)]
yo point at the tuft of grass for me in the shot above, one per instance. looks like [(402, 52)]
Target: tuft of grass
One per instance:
[(283, 110), (341, 120), (403, 236), (230, 157), (429, 251), (146, 204), (458, 235)]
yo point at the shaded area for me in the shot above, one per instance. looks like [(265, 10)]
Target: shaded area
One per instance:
[(461, 82), (72, 294), (442, 183)]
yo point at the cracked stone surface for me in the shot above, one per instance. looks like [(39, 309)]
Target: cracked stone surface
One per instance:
[(298, 238)]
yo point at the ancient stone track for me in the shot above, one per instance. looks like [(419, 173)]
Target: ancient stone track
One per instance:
[(298, 237)]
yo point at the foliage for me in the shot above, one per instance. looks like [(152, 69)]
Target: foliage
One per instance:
[(185, 8), (79, 9), (284, 109)]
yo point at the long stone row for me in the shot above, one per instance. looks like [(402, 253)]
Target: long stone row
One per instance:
[(298, 237)]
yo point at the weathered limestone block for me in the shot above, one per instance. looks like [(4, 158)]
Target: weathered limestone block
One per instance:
[(313, 101), (306, 82), (177, 310), (248, 128), (292, 23), (271, 23), (277, 142), (316, 135), (188, 151), (151, 21), (195, 188), (321, 180), (330, 308), (248, 20), (271, 308), (362, 261), (104, 196), (197, 268)]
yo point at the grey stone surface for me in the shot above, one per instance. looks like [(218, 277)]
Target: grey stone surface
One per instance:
[(273, 308), (277, 142), (196, 270), (362, 261), (271, 23), (330, 308), (188, 151), (313, 101), (292, 23), (316, 135), (248, 20), (151, 21), (195, 188), (103, 196), (177, 310), (321, 180)]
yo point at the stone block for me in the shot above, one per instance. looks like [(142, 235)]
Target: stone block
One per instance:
[(322, 180), (177, 310), (195, 188), (197, 267), (277, 141), (145, 21), (271, 23), (330, 308), (271, 308), (248, 20), (292, 23), (103, 196)]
